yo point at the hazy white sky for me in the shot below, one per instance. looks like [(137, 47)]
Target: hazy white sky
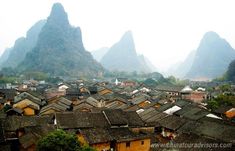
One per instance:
[(164, 30)]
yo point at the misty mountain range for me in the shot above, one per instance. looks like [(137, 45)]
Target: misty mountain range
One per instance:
[(210, 60), (13, 56), (55, 47), (99, 53), (122, 56)]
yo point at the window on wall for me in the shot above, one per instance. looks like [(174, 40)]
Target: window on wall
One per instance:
[(142, 142), (128, 144)]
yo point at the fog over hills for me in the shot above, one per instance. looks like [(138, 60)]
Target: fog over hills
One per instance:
[(212, 57), (59, 49), (180, 69), (122, 56), (99, 53), (13, 56), (208, 61), (55, 36)]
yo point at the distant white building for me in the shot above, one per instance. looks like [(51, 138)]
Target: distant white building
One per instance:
[(201, 89), (116, 82), (62, 87), (186, 89)]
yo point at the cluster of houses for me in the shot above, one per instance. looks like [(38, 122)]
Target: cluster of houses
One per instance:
[(126, 116)]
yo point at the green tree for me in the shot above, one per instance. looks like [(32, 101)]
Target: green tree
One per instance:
[(87, 148), (172, 79), (8, 79), (231, 71), (54, 80), (221, 100), (225, 87), (59, 140), (150, 82), (8, 71), (213, 104), (36, 75)]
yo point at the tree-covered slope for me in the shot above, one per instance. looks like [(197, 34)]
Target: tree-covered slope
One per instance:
[(59, 49), (212, 57), (122, 56), (13, 56)]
